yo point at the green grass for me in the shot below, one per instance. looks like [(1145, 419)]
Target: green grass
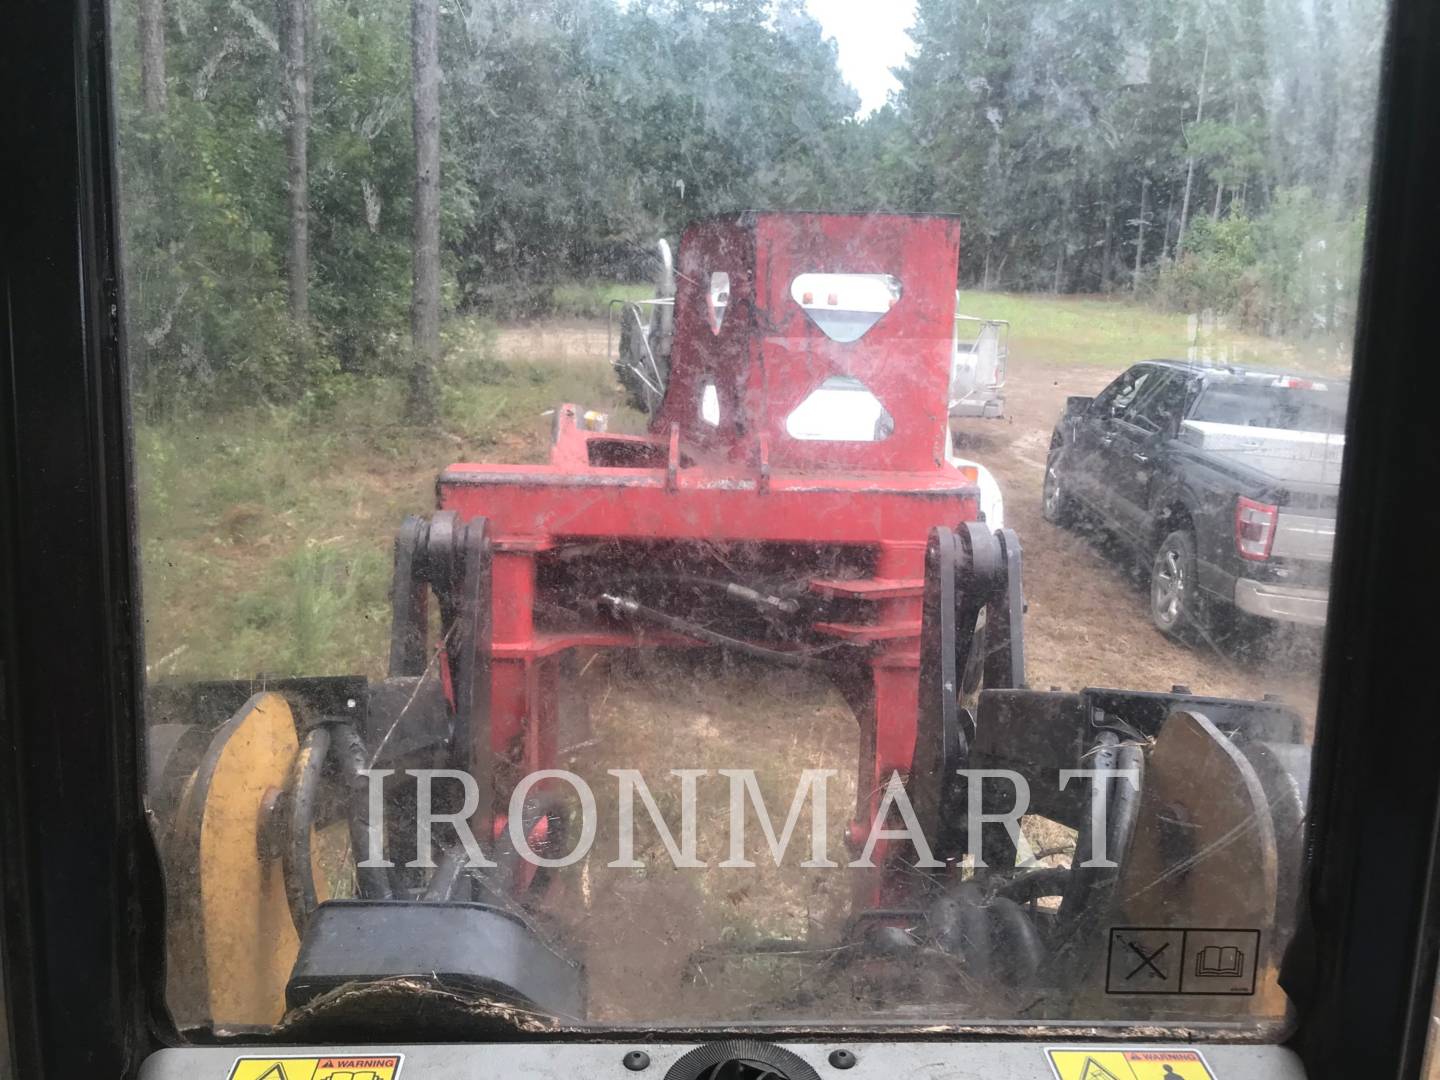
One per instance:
[(591, 299), (1080, 330), (1112, 333), (266, 532)]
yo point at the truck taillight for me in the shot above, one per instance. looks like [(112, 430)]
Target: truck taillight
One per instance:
[(1254, 528)]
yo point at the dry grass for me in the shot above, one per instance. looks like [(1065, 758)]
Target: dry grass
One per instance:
[(266, 532), (661, 711)]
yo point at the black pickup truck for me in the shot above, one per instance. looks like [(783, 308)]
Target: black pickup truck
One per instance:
[(1224, 481)]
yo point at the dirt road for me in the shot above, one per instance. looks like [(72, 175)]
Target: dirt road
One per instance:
[(581, 341)]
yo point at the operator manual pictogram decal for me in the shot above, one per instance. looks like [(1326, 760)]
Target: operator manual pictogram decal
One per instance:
[(1182, 960), (1099, 1063), (333, 1067)]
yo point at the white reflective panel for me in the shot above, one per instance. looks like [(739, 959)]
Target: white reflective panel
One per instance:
[(840, 409), (710, 405), (719, 299), (845, 306)]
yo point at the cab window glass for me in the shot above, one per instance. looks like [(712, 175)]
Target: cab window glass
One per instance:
[(654, 513), (1264, 403), (1160, 408), (1121, 398)]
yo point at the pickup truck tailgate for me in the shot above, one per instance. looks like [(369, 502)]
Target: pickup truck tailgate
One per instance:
[(1303, 536)]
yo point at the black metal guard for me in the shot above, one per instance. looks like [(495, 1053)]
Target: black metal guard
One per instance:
[(452, 560), (969, 574)]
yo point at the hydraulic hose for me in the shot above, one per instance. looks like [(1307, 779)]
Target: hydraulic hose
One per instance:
[(445, 882), (631, 609), (783, 605)]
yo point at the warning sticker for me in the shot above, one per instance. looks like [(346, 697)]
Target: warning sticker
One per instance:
[(359, 1067), (1099, 1063)]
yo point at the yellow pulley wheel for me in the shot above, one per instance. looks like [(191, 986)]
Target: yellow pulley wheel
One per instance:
[(232, 940)]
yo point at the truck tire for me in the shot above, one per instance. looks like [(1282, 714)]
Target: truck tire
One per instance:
[(1056, 505), (1175, 601)]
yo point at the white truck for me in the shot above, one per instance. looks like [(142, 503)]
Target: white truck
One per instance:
[(977, 378)]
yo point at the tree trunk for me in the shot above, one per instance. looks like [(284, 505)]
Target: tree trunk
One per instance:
[(1165, 236), (1140, 233), (1219, 190), (1107, 248), (1060, 244), (425, 223), (152, 55), (297, 140), (1190, 158)]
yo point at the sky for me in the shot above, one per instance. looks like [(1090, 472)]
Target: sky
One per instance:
[(872, 40)]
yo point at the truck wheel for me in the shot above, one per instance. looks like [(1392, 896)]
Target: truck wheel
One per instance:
[(1174, 588), (1056, 504)]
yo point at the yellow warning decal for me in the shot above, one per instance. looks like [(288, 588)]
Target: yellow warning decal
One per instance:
[(339, 1067), (1101, 1063)]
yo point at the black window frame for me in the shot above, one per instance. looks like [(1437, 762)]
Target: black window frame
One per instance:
[(81, 926)]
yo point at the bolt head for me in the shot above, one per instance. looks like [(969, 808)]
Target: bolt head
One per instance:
[(637, 1060), (842, 1059)]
